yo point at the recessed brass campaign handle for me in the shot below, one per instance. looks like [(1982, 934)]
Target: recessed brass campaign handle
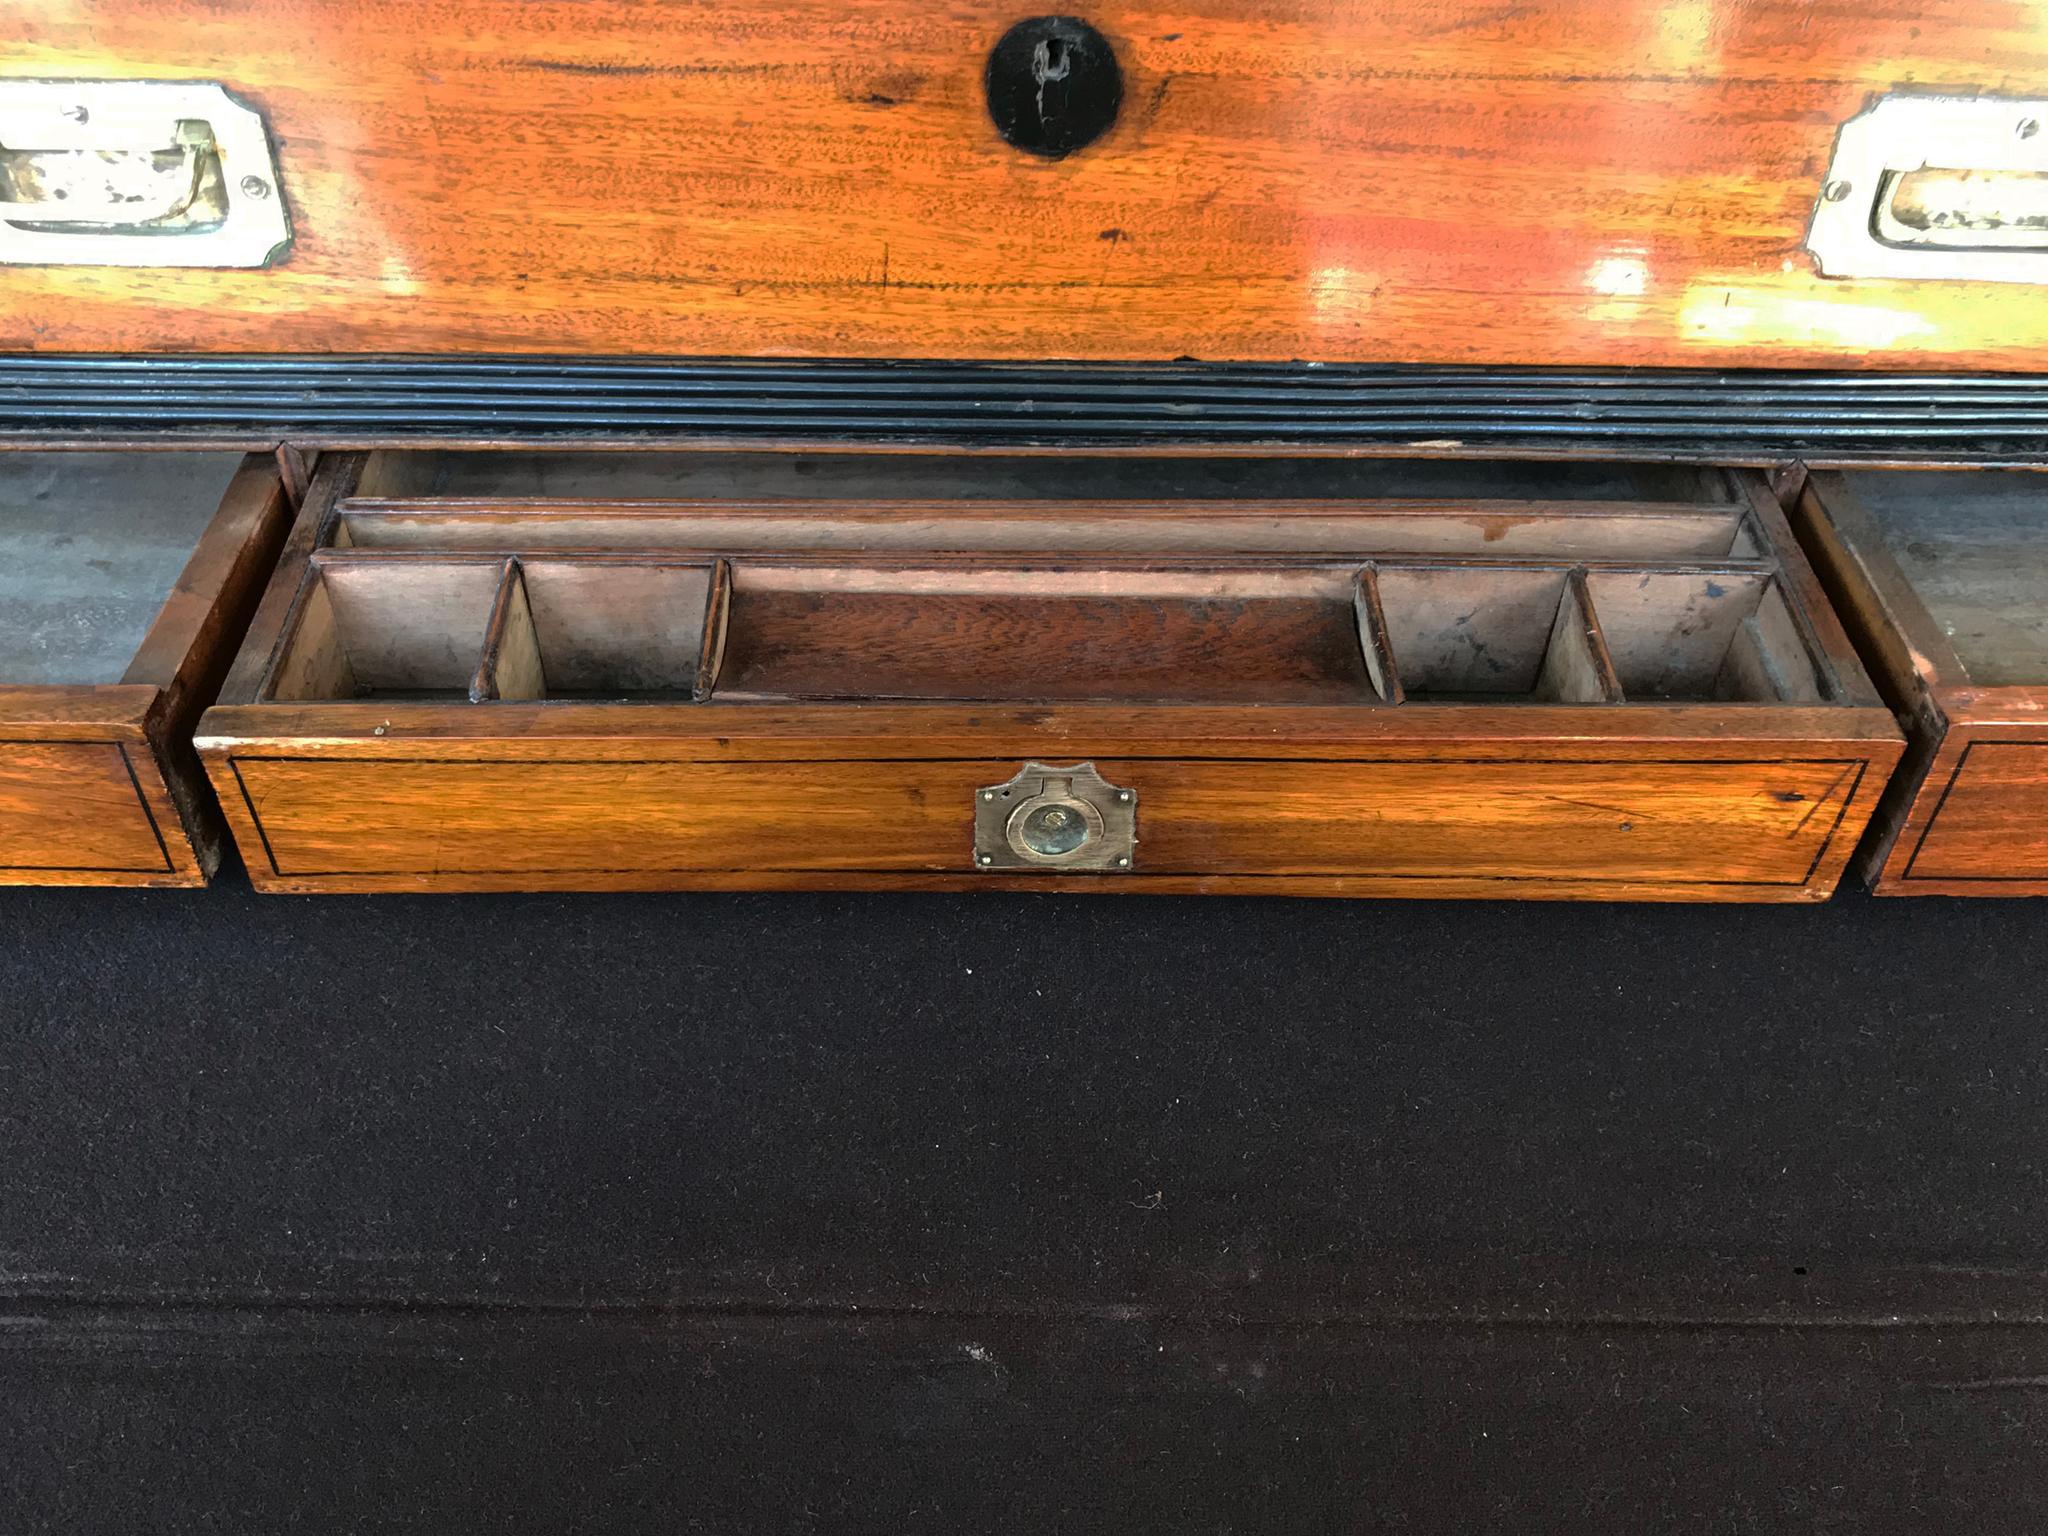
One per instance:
[(1048, 817), (146, 173), (1935, 209), (1937, 187), (106, 189)]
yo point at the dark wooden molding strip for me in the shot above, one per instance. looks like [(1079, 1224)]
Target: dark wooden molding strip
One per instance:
[(1753, 417)]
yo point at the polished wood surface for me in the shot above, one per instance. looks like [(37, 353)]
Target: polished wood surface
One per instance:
[(74, 809), (100, 785), (1612, 825), (1456, 181), (1987, 820)]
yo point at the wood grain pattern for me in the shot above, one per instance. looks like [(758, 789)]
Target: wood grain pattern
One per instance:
[(1566, 181), (1760, 824), (73, 809), (1655, 803), (1987, 822)]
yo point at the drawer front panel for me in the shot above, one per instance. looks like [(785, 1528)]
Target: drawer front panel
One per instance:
[(1991, 821), (74, 806), (1757, 822), (1572, 182)]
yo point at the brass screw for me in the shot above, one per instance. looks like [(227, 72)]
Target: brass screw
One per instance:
[(1836, 191)]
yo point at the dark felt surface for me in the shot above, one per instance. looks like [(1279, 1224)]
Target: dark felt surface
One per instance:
[(284, 1422), (1020, 1213), (1041, 1100)]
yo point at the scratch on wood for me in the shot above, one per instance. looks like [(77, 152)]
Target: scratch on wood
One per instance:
[(1826, 797), (629, 71)]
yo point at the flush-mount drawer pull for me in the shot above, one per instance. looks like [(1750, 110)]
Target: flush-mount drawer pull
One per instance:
[(1055, 818), (136, 173), (1937, 187)]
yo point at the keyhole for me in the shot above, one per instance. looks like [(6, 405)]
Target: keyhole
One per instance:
[(1049, 61), (1054, 85)]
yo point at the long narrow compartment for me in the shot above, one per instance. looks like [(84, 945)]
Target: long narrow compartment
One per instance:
[(1238, 636), (913, 504), (1383, 584)]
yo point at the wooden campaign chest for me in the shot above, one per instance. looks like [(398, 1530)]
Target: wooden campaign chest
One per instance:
[(504, 671)]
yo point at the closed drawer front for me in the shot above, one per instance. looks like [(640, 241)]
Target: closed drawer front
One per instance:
[(1442, 181), (1555, 695), (75, 807), (1987, 820), (1759, 822)]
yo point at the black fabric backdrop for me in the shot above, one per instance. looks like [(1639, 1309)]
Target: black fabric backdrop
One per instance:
[(829, 1212)]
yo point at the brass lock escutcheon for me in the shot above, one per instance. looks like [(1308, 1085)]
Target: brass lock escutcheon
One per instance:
[(1056, 818), (136, 173)]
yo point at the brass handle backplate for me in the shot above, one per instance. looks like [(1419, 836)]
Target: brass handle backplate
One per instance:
[(136, 173), (1056, 818), (1951, 187)]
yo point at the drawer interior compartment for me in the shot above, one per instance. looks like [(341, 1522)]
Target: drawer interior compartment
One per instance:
[(763, 577), (1694, 636), (537, 627), (484, 630), (913, 504), (126, 580), (570, 477), (800, 631), (740, 670), (1942, 577), (1973, 548), (91, 545)]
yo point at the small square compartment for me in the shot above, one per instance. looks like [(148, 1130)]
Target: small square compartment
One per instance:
[(1690, 636), (613, 629), (498, 629), (390, 629), (1490, 634)]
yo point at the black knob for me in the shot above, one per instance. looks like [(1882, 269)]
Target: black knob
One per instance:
[(1053, 85)]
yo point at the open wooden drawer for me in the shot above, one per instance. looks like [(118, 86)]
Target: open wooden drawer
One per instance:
[(733, 671), (1943, 578), (125, 583)]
